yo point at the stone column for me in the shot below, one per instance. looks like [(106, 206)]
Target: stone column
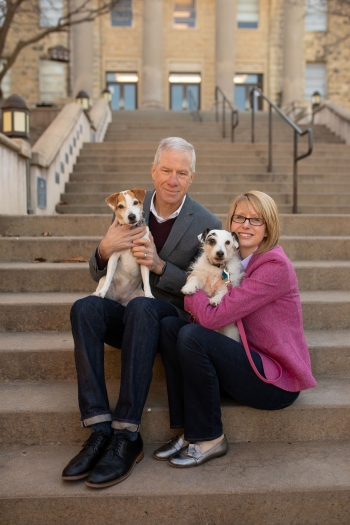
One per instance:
[(152, 55), (225, 46), (82, 55), (293, 51)]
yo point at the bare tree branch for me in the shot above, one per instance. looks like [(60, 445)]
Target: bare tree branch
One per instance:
[(18, 12)]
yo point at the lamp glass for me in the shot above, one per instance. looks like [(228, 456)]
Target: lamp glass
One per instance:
[(7, 121), (19, 121)]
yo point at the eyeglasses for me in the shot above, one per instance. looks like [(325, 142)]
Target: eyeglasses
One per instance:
[(254, 221)]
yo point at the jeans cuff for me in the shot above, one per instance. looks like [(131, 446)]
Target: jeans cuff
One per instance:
[(98, 418), (125, 425)]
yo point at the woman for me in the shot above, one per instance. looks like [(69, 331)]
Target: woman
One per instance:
[(200, 362)]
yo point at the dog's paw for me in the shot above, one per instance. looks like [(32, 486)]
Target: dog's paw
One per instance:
[(188, 289), (100, 293), (214, 301), (149, 295)]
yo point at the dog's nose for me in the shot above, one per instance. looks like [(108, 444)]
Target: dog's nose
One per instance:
[(220, 253), (131, 217)]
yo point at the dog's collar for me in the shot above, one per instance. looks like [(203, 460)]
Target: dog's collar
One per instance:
[(225, 274)]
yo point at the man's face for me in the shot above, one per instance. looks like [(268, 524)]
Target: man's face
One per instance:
[(172, 177)]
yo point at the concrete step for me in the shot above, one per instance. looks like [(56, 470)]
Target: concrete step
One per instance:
[(64, 249), (278, 192), (250, 166), (42, 412), (255, 483), (96, 225), (212, 175), (75, 277), (48, 356), (22, 312), (267, 186), (217, 209)]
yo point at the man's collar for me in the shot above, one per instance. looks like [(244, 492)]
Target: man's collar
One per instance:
[(172, 216)]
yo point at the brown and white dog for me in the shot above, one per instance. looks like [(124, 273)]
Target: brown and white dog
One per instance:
[(124, 275), (218, 260)]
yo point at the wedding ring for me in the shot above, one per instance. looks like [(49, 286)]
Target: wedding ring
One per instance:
[(145, 255)]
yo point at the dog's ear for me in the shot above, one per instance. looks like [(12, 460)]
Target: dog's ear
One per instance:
[(139, 194), (203, 236), (235, 240), (112, 201)]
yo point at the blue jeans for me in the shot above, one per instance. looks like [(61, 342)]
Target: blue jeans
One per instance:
[(134, 329), (199, 365)]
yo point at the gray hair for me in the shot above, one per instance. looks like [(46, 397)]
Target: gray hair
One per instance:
[(176, 144)]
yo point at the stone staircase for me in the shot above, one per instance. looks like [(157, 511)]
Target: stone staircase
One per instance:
[(290, 467)]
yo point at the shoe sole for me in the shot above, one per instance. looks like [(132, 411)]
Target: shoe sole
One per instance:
[(75, 478), (119, 480)]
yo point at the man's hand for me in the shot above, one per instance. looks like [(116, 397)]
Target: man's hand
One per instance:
[(145, 252), (119, 238)]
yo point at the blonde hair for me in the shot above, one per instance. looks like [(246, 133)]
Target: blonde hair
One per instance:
[(266, 208)]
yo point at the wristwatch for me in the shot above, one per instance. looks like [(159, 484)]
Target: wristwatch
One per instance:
[(163, 269)]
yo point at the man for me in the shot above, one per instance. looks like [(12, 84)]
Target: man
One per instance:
[(175, 221)]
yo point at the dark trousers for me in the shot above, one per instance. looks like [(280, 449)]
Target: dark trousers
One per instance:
[(134, 329), (199, 363)]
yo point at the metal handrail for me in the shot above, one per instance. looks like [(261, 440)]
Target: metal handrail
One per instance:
[(234, 113), (193, 107), (297, 132)]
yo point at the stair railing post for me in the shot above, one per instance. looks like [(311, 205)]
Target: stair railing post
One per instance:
[(269, 167), (223, 118), (295, 173), (253, 115), (232, 126)]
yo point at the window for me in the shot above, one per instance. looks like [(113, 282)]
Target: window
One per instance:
[(247, 14), (121, 14), (316, 15), (52, 81), (50, 12), (184, 14), (6, 81), (315, 80)]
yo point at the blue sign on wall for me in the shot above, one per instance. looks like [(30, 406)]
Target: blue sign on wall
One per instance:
[(41, 193)]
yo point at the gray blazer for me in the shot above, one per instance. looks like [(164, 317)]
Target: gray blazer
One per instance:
[(179, 249)]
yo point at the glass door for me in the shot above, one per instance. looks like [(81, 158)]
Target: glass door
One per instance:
[(184, 91), (123, 87), (243, 84)]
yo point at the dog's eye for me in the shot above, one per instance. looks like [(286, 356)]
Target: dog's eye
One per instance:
[(228, 242), (120, 206), (136, 202), (212, 242)]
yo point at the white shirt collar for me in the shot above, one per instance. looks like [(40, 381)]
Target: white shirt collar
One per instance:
[(172, 216), (245, 262)]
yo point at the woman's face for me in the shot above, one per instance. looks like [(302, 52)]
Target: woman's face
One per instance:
[(249, 236)]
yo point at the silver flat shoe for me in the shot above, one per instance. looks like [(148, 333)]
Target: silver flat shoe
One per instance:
[(192, 456), (173, 446)]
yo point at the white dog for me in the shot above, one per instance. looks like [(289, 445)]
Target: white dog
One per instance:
[(219, 259), (124, 276)]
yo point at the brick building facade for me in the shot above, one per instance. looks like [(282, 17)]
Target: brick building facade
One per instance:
[(153, 53)]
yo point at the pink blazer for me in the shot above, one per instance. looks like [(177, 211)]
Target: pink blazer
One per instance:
[(268, 302)]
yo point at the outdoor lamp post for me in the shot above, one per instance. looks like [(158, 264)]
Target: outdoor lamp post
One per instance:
[(15, 118), (83, 99), (315, 102), (107, 95)]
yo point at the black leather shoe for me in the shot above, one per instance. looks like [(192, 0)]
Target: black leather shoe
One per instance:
[(80, 466), (117, 462)]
